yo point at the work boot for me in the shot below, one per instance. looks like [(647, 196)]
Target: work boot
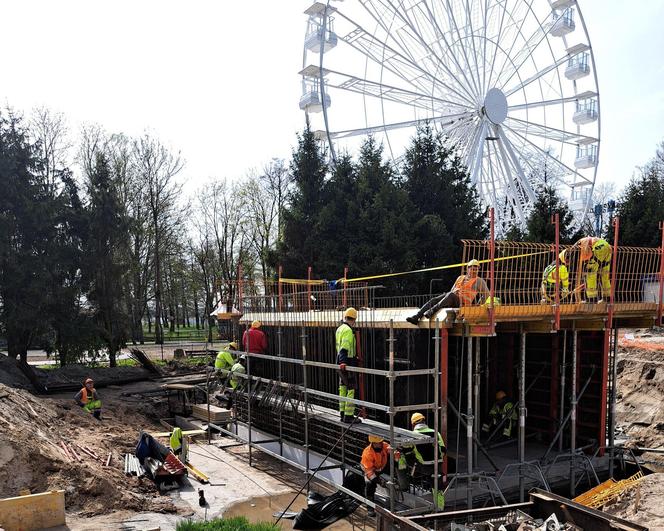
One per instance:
[(370, 512), (341, 416), (413, 319), (350, 419)]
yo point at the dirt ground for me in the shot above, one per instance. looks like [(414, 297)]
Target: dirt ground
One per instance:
[(643, 504)]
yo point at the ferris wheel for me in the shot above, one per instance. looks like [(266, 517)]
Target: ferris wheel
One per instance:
[(510, 83)]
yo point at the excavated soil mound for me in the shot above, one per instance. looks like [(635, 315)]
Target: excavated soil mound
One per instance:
[(643, 503), (31, 430), (11, 375), (75, 375)]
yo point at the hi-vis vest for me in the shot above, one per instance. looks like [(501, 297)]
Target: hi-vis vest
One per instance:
[(345, 339), (549, 275), (466, 286), (84, 395)]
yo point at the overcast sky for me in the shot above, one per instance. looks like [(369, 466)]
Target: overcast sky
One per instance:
[(218, 80)]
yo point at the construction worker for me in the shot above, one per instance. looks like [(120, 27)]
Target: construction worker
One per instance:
[(423, 457), (468, 289), (239, 368), (503, 408), (550, 276), (596, 253), (225, 360), (254, 340), (375, 458), (88, 399), (346, 356), (178, 444)]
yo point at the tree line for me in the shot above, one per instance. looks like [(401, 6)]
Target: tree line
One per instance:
[(102, 245)]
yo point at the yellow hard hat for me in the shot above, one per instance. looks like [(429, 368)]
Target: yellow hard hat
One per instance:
[(350, 313), (256, 324), (416, 417), (232, 345), (562, 256), (473, 262), (375, 439), (500, 395)]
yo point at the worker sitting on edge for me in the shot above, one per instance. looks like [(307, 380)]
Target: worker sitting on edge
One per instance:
[(225, 360), (88, 399), (423, 458), (549, 278), (503, 408), (179, 446), (596, 252), (468, 289), (239, 368), (375, 458), (254, 340), (346, 356)]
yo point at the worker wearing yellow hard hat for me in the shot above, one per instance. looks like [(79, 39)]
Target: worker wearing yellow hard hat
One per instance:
[(225, 359), (346, 349), (422, 458), (551, 276), (596, 254), (502, 412)]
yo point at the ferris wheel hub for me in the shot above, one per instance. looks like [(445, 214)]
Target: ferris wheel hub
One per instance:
[(495, 106)]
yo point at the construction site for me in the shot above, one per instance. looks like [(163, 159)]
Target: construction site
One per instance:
[(585, 445)]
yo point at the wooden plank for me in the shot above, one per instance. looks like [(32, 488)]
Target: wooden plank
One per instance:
[(216, 413), (184, 432), (180, 387), (35, 511)]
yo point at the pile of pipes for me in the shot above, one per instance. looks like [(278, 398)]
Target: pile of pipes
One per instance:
[(76, 453), (132, 466), (518, 521)]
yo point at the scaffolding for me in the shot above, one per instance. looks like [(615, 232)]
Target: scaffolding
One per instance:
[(561, 345)]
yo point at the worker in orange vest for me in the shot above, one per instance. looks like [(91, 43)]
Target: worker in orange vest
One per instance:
[(468, 289), (88, 399), (375, 458)]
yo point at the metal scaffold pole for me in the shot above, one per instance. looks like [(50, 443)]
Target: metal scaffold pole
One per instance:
[(306, 404), (248, 389), (391, 378), (436, 416), (522, 414), (476, 394), (280, 375), (469, 418), (612, 412), (573, 408)]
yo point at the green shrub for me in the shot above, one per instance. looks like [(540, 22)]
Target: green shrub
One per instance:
[(238, 523)]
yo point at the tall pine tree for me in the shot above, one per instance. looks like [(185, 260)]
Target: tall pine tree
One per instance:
[(539, 227)]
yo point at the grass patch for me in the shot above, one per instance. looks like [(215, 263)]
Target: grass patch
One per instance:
[(127, 363), (238, 523), (49, 367)]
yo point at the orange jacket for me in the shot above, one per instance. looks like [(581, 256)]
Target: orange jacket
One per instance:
[(468, 288), (84, 395), (374, 462)]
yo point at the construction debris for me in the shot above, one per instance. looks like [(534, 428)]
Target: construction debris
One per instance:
[(608, 491), (133, 466)]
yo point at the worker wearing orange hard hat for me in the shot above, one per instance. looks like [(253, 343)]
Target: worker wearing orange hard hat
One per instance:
[(596, 254), (88, 398), (346, 348)]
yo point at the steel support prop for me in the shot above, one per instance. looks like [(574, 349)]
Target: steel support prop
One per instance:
[(469, 416), (612, 404), (563, 367), (280, 334), (391, 378), (476, 393), (444, 351), (248, 389), (573, 412), (522, 414)]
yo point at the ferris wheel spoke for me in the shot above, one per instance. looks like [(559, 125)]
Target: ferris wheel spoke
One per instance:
[(550, 133), (416, 40), (475, 159), (570, 53), (509, 149), (525, 53), (365, 87), (564, 168), (447, 120), (557, 101), (509, 181), (395, 62)]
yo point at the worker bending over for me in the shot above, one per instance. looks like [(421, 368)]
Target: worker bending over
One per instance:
[(503, 408), (88, 399), (550, 276), (225, 359), (596, 253), (423, 458), (375, 458), (179, 445), (468, 289), (239, 368), (347, 356)]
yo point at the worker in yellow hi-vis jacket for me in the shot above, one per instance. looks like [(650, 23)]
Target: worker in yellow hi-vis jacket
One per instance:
[(596, 254)]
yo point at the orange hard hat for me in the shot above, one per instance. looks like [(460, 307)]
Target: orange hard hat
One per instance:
[(500, 395)]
